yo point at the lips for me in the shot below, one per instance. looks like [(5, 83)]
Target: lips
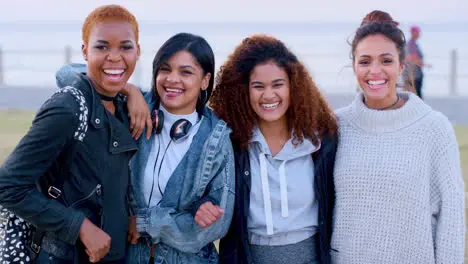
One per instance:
[(114, 75), (270, 106), (376, 84), (173, 91)]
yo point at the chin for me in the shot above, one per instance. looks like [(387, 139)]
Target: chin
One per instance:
[(270, 118), (112, 89), (376, 95), (171, 103), (173, 106)]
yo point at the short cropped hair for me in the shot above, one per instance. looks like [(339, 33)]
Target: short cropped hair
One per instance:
[(108, 13)]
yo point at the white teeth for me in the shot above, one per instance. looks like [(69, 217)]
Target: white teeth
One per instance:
[(376, 82), (270, 106), (113, 71), (170, 90)]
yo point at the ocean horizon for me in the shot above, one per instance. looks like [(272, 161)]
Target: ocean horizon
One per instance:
[(32, 51)]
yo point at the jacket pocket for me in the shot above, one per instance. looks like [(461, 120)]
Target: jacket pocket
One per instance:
[(97, 190), (91, 205)]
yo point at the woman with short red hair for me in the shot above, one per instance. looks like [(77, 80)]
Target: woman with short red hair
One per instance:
[(80, 142)]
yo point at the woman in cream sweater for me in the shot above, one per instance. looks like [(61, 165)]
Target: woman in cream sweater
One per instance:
[(399, 189)]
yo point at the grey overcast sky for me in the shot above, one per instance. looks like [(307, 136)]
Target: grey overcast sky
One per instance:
[(428, 11)]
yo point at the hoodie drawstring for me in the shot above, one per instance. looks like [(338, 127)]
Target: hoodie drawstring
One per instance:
[(283, 190), (266, 192)]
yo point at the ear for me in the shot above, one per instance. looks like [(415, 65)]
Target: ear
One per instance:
[(402, 66), (206, 81), (84, 51), (138, 51)]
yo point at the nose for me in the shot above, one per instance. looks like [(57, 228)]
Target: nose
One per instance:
[(375, 68), (268, 94), (173, 77), (114, 55)]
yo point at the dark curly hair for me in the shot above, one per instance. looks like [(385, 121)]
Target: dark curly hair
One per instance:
[(308, 112)]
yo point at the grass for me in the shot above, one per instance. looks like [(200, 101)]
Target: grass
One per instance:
[(14, 124), (462, 137)]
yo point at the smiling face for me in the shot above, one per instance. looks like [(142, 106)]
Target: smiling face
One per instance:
[(269, 92), (179, 81), (111, 53), (377, 66)]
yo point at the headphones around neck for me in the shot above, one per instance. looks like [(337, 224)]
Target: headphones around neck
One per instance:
[(179, 129)]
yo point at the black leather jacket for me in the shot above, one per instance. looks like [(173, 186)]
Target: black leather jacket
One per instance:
[(98, 180)]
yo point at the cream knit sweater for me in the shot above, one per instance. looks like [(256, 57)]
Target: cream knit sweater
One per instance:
[(399, 189)]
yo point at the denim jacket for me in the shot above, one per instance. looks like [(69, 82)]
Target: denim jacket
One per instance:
[(206, 173)]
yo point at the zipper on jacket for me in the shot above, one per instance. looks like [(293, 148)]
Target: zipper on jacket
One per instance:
[(96, 190)]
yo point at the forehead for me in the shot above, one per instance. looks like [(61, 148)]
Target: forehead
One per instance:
[(375, 45), (182, 57), (112, 30), (268, 70)]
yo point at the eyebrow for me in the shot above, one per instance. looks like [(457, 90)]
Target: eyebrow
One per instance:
[(256, 82), (279, 80), (274, 81), (187, 66), (181, 67), (381, 55), (121, 42)]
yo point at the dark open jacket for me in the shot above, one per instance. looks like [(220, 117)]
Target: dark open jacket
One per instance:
[(235, 247), (97, 178)]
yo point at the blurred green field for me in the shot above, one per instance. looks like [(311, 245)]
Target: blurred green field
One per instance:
[(14, 124)]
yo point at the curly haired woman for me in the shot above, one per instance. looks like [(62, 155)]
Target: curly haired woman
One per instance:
[(284, 136)]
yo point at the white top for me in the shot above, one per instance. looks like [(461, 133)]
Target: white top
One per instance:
[(283, 207), (399, 189), (172, 157)]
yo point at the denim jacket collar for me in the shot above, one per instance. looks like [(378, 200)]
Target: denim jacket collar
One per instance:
[(210, 126)]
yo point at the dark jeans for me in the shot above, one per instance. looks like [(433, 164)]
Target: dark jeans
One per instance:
[(418, 86), (47, 258)]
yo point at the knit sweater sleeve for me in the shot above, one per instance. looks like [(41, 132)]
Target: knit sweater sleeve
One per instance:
[(447, 198)]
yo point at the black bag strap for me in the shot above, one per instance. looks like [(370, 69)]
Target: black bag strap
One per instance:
[(54, 190)]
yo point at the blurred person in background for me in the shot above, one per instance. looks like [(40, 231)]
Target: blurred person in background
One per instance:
[(413, 74)]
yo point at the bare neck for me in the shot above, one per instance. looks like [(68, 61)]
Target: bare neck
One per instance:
[(109, 106), (276, 134)]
